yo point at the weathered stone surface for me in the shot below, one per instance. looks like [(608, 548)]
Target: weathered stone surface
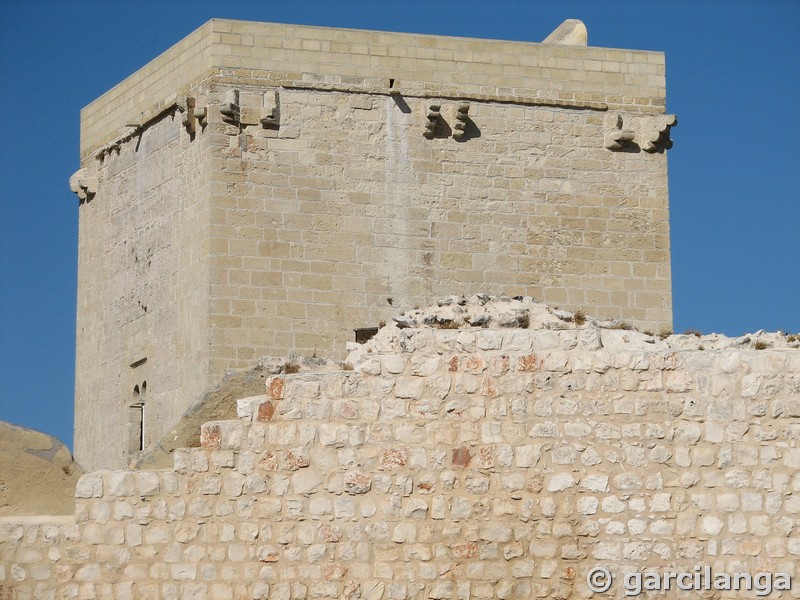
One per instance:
[(357, 482)]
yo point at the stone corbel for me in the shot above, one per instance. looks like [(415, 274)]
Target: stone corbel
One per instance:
[(655, 137), (270, 114), (266, 115), (434, 117), (84, 185), (193, 116), (618, 138), (229, 109), (462, 118)]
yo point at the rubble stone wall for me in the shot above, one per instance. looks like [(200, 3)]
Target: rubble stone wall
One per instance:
[(455, 463)]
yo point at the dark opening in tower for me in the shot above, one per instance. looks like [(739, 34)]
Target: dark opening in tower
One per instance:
[(136, 419)]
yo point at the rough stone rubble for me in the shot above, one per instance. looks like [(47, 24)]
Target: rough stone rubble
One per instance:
[(501, 312)]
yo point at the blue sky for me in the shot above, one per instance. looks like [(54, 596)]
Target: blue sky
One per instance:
[(733, 79)]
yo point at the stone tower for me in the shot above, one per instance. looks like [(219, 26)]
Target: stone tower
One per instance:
[(261, 189)]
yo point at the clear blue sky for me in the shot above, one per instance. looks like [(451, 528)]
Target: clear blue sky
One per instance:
[(733, 79)]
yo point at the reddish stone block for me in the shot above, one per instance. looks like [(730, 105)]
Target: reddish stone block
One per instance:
[(527, 363), (270, 461), (265, 411), (500, 364), (346, 409), (269, 555), (333, 572), (275, 387), (485, 458), (535, 483), (296, 460), (426, 486), (357, 482), (469, 550), (461, 456), (475, 364), (393, 458), (331, 533), (453, 364), (379, 432), (210, 436)]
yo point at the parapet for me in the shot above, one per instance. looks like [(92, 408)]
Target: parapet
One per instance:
[(296, 56)]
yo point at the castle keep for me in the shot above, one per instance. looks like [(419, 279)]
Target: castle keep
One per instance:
[(261, 189)]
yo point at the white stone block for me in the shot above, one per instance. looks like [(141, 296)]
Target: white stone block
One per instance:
[(560, 482), (247, 408), (711, 525), (595, 483), (90, 486)]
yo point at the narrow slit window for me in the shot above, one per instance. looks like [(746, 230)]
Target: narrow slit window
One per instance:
[(136, 421)]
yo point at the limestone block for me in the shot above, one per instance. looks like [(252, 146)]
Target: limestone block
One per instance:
[(560, 482), (247, 408), (233, 484), (394, 363), (90, 486), (357, 482), (595, 482), (711, 525), (617, 137), (84, 183), (423, 366), (306, 481), (119, 483), (416, 508), (434, 119), (409, 387)]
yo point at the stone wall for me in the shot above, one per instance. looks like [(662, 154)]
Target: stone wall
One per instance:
[(456, 461), (264, 189)]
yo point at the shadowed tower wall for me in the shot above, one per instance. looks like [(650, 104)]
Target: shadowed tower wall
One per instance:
[(261, 189)]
